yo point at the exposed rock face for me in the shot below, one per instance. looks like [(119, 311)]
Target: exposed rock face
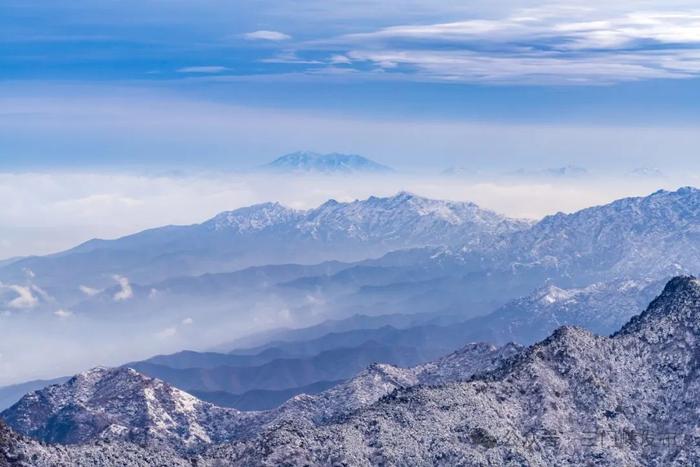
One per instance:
[(572, 399)]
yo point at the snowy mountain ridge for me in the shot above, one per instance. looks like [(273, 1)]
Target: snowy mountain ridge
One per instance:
[(401, 215), (648, 236), (123, 405), (573, 399)]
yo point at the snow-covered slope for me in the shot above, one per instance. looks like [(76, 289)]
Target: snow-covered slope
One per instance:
[(333, 163), (380, 379), (403, 220), (651, 237), (655, 235), (19, 451), (572, 399), (123, 405)]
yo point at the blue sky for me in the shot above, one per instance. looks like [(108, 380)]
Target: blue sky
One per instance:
[(112, 112), (520, 66)]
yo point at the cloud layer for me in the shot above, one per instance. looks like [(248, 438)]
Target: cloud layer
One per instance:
[(553, 45), (525, 42)]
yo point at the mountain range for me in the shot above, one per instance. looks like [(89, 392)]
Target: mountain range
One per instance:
[(264, 234), (588, 263), (122, 405), (574, 398), (280, 368)]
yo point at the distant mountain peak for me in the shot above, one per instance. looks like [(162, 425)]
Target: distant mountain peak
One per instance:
[(312, 162), (567, 171), (646, 172)]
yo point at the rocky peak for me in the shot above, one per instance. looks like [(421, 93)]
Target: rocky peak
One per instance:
[(121, 404), (676, 309)]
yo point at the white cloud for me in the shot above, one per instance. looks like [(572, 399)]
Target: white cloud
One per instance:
[(24, 299), (206, 69), (63, 314), (89, 291), (125, 292), (41, 292), (263, 35), (539, 46), (187, 321), (166, 333), (340, 60)]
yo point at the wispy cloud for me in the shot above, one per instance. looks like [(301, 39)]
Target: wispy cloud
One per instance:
[(89, 291), (537, 46), (24, 298), (166, 333), (263, 35), (206, 69), (63, 314)]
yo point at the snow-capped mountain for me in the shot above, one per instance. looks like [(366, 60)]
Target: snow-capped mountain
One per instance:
[(656, 235), (405, 218), (653, 236), (572, 399), (123, 405), (261, 235), (333, 163)]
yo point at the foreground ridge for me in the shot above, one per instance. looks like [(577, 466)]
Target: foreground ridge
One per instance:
[(572, 399)]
